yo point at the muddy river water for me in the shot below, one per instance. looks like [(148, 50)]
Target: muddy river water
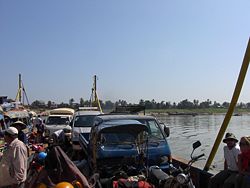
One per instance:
[(184, 130)]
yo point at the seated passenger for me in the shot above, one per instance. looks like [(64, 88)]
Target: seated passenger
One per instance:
[(243, 178), (226, 178)]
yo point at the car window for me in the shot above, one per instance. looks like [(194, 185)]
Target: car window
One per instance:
[(57, 121), (84, 121)]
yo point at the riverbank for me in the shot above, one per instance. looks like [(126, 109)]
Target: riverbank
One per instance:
[(203, 111), (174, 111)]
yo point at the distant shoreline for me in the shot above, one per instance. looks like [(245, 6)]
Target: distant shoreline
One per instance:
[(204, 111), (175, 111)]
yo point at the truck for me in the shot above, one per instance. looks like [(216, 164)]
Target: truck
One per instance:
[(59, 118), (116, 141)]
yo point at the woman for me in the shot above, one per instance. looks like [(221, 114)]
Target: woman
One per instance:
[(243, 178)]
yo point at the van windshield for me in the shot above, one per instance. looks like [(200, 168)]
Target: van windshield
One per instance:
[(117, 138), (154, 129), (84, 121), (57, 120)]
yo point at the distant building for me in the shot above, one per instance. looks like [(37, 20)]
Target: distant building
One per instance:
[(3, 99)]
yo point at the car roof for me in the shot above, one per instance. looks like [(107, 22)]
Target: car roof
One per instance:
[(80, 113), (58, 115), (121, 125), (107, 117)]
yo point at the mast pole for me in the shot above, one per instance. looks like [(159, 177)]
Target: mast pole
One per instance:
[(20, 88), (95, 95), (232, 105), (19, 91)]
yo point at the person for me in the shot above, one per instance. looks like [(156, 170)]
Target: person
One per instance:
[(13, 162), (40, 129), (62, 137), (20, 126), (2, 124), (226, 178), (243, 178), (6, 121)]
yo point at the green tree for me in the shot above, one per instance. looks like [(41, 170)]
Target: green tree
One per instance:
[(71, 101), (141, 102), (108, 105), (196, 103), (38, 104), (49, 104), (185, 104), (81, 102), (225, 104), (168, 105)]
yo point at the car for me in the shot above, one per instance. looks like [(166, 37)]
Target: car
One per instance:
[(114, 141), (82, 122)]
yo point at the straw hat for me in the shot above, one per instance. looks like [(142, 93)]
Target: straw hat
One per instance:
[(19, 123), (229, 136)]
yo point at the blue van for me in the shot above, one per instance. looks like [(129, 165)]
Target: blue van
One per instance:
[(118, 140)]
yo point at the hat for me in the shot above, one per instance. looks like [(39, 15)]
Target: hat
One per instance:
[(67, 129), (229, 136), (19, 123), (12, 131)]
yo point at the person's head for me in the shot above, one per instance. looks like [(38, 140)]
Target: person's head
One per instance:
[(10, 134), (245, 143), (230, 140), (67, 133), (19, 125), (6, 119)]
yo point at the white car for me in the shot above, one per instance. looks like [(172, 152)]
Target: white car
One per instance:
[(82, 123), (58, 119)]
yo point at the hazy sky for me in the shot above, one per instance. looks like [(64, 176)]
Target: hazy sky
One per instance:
[(139, 49)]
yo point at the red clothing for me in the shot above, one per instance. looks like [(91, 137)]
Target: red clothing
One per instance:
[(245, 157)]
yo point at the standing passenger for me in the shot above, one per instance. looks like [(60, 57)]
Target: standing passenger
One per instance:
[(20, 126), (226, 178), (40, 130), (13, 163)]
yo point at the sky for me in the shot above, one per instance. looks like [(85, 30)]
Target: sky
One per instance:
[(139, 49)]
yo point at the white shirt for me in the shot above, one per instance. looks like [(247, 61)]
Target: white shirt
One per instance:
[(231, 157), (13, 164)]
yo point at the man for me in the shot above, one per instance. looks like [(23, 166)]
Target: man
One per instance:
[(40, 129), (62, 137), (226, 177), (13, 163), (20, 126)]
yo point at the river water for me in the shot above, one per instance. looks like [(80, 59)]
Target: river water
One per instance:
[(184, 130)]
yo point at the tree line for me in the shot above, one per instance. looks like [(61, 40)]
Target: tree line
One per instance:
[(149, 104)]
